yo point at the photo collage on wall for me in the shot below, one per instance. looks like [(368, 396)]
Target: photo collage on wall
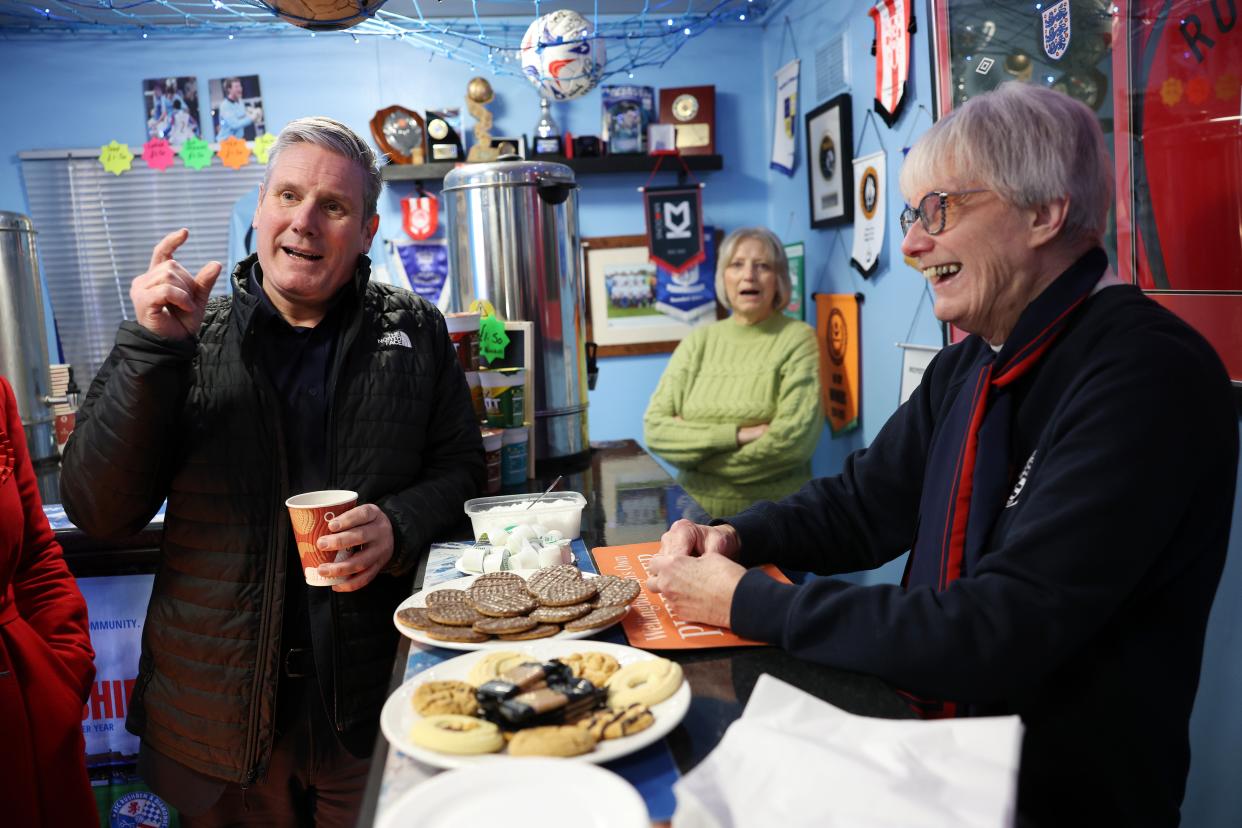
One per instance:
[(172, 108)]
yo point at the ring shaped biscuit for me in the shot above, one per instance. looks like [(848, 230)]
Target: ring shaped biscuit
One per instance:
[(450, 733), (644, 682), (553, 740)]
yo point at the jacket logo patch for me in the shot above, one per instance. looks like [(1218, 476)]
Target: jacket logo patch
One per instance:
[(1021, 484), (396, 339)]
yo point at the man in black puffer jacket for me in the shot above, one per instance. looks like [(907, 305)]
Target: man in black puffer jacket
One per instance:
[(258, 696)]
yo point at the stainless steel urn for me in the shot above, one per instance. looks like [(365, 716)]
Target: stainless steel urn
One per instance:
[(513, 240), (23, 347)]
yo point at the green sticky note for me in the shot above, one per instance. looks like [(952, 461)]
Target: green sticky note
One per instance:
[(492, 338), (115, 157), (196, 153)]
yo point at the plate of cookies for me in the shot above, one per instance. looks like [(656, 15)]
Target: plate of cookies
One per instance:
[(499, 608), (587, 700)]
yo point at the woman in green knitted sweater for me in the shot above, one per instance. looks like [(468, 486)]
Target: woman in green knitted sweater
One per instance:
[(737, 410)]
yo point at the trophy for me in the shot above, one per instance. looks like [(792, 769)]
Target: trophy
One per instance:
[(478, 95)]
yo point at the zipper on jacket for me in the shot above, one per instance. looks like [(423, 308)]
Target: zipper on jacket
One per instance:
[(276, 540), (349, 336)]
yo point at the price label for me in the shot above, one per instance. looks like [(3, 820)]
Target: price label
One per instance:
[(116, 158), (262, 145), (234, 153), (196, 153), (158, 154), (492, 338)]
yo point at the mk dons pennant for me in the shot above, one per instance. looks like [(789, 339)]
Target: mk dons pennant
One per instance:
[(892, 55), (839, 332), (674, 226), (784, 130), (868, 212), (420, 216)]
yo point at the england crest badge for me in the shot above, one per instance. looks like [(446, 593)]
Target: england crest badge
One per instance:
[(1056, 29)]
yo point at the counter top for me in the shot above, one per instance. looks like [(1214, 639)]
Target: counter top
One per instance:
[(632, 499)]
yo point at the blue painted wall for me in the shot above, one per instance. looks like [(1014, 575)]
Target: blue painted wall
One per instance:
[(96, 92)]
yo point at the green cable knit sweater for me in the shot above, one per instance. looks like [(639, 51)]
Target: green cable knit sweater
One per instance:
[(726, 375)]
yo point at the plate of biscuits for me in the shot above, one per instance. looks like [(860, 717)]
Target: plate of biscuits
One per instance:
[(500, 608), (588, 700)]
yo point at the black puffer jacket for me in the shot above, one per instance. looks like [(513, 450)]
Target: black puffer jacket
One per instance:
[(198, 423)]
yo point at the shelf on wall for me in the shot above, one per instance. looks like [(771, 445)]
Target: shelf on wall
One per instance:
[(608, 164)]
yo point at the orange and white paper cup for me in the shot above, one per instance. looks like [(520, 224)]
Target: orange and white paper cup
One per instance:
[(311, 513)]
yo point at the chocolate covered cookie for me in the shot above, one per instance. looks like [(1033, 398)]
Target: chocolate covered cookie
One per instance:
[(602, 617)]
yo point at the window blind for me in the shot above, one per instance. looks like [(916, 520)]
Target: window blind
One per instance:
[(95, 231)]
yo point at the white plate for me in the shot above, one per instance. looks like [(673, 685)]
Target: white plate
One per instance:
[(419, 599), (398, 715), (525, 793)]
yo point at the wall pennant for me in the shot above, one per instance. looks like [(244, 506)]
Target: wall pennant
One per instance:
[(893, 23), (869, 188), (838, 327), (674, 226), (420, 216)]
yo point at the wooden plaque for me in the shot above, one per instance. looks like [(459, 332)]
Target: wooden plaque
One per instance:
[(400, 133), (692, 112)]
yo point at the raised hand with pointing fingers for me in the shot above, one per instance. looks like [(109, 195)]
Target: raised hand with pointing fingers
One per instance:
[(168, 300)]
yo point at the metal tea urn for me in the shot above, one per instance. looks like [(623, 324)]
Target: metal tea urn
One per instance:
[(513, 240)]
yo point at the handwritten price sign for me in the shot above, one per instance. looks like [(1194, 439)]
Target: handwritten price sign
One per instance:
[(116, 158)]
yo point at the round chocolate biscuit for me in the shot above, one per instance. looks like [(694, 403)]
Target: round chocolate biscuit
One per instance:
[(559, 615), (601, 617), (490, 578), (553, 573), (415, 617), (440, 632), (445, 596), (504, 625), (453, 615), (615, 592), (542, 631), (563, 593), (503, 604)]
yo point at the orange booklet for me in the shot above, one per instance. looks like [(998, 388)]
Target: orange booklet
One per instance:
[(649, 624)]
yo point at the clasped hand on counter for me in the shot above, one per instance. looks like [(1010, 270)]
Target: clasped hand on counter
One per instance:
[(697, 572)]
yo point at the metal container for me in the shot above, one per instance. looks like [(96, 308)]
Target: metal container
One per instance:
[(23, 346), (513, 240)]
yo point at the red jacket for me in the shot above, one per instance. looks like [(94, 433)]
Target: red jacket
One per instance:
[(46, 660)]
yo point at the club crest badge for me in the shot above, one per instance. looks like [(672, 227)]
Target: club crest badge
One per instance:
[(139, 809), (1056, 29)]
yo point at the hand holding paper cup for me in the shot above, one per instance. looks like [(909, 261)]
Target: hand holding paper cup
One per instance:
[(311, 513)]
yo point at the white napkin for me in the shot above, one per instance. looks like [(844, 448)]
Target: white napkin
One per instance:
[(793, 760)]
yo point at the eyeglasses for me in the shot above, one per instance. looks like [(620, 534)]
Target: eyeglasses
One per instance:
[(931, 211)]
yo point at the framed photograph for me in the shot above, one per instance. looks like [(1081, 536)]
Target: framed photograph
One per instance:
[(510, 146), (636, 307), (830, 156), (236, 107), (171, 105)]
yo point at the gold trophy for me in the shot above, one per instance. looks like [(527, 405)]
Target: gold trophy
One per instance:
[(478, 95)]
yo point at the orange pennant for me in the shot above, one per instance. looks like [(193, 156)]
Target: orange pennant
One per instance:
[(839, 328)]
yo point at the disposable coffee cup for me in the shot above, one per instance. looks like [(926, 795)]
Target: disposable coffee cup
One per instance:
[(311, 513)]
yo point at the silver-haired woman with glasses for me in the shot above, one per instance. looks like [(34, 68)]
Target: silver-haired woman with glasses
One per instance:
[(1063, 479)]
